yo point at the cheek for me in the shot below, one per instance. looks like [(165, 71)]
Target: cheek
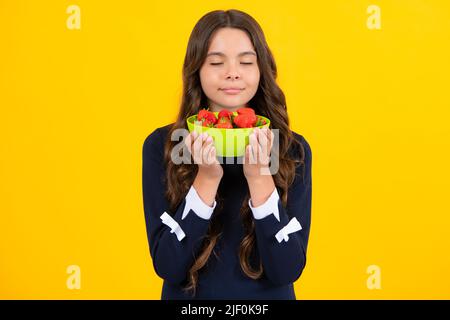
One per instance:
[(208, 78), (253, 79)]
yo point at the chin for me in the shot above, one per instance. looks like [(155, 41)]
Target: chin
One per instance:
[(231, 103), (233, 106)]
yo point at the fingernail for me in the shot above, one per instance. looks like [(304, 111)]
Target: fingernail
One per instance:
[(209, 139)]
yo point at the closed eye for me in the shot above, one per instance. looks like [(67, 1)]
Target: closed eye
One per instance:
[(218, 63)]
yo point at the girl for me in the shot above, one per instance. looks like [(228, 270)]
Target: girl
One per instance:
[(218, 230)]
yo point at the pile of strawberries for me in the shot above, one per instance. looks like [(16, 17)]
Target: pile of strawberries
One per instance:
[(246, 118)]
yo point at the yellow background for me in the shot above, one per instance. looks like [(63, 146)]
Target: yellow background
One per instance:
[(76, 106)]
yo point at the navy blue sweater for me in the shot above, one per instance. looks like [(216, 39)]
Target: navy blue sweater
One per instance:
[(222, 277)]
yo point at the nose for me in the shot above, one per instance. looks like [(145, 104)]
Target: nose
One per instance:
[(232, 73), (233, 76)]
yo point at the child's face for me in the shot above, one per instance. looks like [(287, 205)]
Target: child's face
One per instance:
[(230, 69)]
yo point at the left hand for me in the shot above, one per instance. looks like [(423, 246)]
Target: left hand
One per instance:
[(257, 153)]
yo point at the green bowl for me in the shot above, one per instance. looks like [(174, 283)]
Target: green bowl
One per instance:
[(228, 142)]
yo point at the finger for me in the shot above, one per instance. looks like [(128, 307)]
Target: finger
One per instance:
[(247, 154), (206, 150), (203, 147), (197, 148), (213, 155), (260, 156), (253, 155), (208, 139), (188, 141), (201, 136), (253, 149), (263, 143), (194, 146), (194, 136), (271, 136), (250, 150), (205, 143), (189, 144), (197, 139), (209, 158)]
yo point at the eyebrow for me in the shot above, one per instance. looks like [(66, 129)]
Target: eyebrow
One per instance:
[(218, 53)]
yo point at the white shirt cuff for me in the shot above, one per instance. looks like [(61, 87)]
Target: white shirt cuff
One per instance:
[(194, 202), (267, 208), (291, 227), (173, 225)]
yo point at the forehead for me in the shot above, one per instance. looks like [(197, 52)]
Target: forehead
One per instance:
[(230, 42)]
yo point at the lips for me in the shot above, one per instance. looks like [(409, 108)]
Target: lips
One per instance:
[(232, 90)]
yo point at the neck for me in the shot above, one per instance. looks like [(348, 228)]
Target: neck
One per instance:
[(216, 108)]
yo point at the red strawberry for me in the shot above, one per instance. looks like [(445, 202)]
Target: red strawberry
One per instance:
[(245, 120), (245, 111), (224, 120), (224, 125), (225, 114), (207, 118)]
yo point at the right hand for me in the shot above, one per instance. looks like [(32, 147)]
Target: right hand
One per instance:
[(203, 151)]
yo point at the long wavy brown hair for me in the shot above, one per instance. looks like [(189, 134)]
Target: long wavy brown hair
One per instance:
[(268, 101)]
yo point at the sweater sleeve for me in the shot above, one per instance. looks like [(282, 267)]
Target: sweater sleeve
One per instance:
[(174, 237), (282, 243)]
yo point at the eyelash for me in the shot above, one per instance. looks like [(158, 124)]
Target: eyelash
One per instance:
[(217, 63)]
